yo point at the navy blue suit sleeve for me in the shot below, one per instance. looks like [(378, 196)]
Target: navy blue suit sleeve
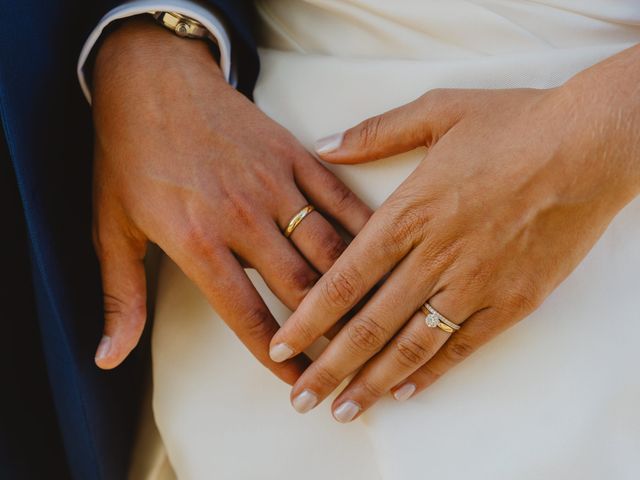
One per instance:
[(238, 16)]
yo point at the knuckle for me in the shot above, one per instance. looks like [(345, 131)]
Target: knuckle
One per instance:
[(257, 324), (201, 240), (371, 389), (370, 130), (366, 335), (301, 332), (435, 94), (242, 210), (429, 374), (404, 231), (285, 146), (132, 309), (334, 247), (113, 305), (325, 376), (343, 198), (439, 98), (408, 227), (458, 350), (342, 289), (519, 302), (300, 281), (266, 176), (522, 298), (477, 274), (410, 353), (197, 238)]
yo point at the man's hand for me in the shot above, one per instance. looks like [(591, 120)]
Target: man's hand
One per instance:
[(186, 162)]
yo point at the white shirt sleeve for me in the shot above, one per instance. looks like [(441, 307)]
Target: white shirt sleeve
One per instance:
[(190, 8)]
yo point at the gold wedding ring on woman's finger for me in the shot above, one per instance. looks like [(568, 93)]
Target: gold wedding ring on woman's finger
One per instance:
[(435, 319), (297, 219)]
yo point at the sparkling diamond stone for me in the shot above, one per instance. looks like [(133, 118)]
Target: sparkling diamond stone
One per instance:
[(432, 320)]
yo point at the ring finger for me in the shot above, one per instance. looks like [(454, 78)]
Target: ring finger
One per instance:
[(314, 236), (375, 324), (364, 335), (411, 348)]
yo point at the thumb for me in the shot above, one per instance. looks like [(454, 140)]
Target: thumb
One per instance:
[(125, 298), (416, 124)]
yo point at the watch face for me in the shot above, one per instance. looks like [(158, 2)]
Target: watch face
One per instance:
[(182, 29), (182, 25), (186, 27)]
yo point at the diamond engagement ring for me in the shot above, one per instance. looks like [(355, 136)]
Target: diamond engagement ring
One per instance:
[(435, 319)]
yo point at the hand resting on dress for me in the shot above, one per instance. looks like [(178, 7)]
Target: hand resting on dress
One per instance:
[(185, 161), (514, 190)]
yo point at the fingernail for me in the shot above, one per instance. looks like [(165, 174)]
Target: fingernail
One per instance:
[(280, 352), (404, 392), (103, 347), (329, 144), (346, 411), (305, 401)]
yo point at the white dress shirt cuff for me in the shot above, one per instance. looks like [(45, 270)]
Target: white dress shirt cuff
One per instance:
[(189, 8)]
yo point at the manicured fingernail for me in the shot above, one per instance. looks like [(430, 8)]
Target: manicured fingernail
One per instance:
[(305, 401), (404, 392), (280, 352), (103, 347), (346, 411), (329, 144)]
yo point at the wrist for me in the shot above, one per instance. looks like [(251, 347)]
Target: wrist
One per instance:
[(147, 78), (140, 49), (604, 106)]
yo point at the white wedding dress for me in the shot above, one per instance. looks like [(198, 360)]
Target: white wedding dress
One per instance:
[(556, 397)]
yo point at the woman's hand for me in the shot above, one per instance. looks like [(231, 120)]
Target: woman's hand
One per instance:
[(186, 162), (515, 188)]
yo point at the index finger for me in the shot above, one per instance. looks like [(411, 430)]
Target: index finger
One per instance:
[(381, 244)]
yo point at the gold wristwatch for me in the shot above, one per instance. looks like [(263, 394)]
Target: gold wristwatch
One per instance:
[(182, 25), (186, 27)]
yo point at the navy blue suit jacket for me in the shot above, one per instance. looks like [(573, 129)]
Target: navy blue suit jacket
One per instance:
[(60, 415)]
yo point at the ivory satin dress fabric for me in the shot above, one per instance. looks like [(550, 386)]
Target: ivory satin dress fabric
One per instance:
[(555, 397)]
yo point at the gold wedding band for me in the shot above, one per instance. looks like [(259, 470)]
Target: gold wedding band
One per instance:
[(436, 319), (297, 218)]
